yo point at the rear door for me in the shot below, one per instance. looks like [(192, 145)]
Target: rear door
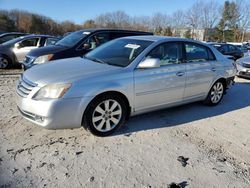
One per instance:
[(163, 85), (25, 46), (200, 70)]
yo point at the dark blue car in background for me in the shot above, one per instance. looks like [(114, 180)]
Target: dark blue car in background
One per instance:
[(76, 44)]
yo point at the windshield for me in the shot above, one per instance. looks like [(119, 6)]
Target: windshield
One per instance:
[(120, 52), (72, 39)]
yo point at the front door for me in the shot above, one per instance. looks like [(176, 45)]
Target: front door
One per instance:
[(164, 85), (24, 47)]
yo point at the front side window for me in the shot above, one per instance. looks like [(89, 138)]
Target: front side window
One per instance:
[(167, 53), (50, 41), (29, 42), (223, 49), (119, 52), (97, 40), (196, 53)]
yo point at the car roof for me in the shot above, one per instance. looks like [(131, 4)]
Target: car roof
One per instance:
[(91, 30), (13, 33), (37, 35), (156, 38)]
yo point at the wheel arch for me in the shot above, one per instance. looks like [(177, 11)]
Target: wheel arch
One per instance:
[(7, 57), (222, 79), (111, 92)]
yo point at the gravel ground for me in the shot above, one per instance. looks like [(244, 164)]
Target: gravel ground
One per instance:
[(192, 146)]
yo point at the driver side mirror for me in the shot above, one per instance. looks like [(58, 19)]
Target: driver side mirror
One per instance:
[(149, 63), (17, 45), (86, 46)]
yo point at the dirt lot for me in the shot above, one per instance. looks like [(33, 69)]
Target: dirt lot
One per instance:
[(214, 143)]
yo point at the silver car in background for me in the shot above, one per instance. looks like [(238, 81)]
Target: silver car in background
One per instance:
[(122, 78), (13, 52), (243, 67)]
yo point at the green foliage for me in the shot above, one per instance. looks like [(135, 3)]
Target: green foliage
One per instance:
[(227, 29)]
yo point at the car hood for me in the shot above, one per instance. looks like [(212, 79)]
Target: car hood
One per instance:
[(46, 50), (245, 59), (67, 70)]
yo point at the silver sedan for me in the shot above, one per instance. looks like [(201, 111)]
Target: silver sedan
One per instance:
[(122, 78)]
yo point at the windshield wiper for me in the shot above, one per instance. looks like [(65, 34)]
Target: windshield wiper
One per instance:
[(95, 60)]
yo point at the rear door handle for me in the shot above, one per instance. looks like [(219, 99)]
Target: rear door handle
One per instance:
[(213, 69), (180, 73)]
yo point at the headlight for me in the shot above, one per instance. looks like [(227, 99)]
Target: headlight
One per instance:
[(239, 63), (52, 91), (43, 59)]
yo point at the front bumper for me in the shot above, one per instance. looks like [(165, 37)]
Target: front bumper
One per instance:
[(243, 71), (53, 114)]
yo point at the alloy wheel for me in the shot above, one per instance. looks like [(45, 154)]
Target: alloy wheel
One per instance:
[(3, 63), (217, 92), (107, 115)]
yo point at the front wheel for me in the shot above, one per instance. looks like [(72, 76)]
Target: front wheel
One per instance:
[(105, 115), (4, 63), (215, 94)]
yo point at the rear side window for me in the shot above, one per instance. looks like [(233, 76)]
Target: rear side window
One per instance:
[(232, 48), (98, 39), (198, 53)]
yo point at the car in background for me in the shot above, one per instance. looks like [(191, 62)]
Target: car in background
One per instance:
[(13, 52), (124, 77), (243, 67), (9, 36), (229, 50), (76, 44)]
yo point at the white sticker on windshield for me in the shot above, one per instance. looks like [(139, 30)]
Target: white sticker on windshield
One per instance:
[(133, 46), (86, 33)]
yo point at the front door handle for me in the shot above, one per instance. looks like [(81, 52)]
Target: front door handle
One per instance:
[(180, 73), (213, 69)]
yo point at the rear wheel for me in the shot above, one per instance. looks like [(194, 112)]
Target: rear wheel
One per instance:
[(215, 94), (4, 62), (105, 115)]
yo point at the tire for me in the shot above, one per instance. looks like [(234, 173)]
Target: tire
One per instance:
[(105, 114), (4, 62), (215, 94)]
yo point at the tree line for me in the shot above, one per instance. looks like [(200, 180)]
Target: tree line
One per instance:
[(227, 22)]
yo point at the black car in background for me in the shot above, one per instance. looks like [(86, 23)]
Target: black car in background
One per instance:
[(229, 49), (76, 44), (4, 37)]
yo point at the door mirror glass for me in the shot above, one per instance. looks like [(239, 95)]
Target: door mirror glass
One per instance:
[(17, 45), (149, 63), (86, 46)]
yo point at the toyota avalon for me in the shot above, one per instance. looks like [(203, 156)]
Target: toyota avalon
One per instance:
[(122, 78)]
